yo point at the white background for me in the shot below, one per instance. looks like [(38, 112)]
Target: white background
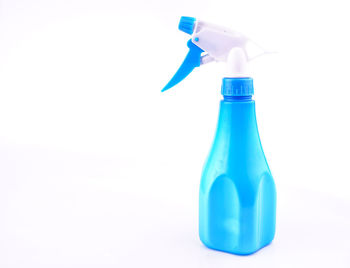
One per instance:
[(99, 169)]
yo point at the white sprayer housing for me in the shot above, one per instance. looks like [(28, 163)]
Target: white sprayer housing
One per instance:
[(211, 42)]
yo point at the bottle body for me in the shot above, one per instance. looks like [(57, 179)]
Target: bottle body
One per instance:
[(237, 199)]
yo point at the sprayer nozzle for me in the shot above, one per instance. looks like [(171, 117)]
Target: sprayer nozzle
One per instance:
[(187, 24)]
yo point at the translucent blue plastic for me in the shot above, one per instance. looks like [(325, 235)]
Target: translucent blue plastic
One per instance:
[(237, 200)]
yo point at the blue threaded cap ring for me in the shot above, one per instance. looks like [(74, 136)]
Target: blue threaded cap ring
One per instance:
[(237, 86), (187, 24)]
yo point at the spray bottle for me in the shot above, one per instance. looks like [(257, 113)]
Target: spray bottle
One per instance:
[(237, 197)]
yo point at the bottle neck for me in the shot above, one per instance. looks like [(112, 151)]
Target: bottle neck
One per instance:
[(237, 109), (237, 98)]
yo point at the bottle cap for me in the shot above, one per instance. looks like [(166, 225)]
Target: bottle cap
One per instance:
[(238, 86)]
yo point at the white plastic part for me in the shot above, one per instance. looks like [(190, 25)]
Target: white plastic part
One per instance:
[(237, 63), (224, 45)]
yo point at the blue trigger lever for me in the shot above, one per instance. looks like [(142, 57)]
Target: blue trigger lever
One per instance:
[(192, 60)]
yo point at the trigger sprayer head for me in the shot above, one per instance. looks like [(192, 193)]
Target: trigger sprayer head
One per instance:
[(219, 43)]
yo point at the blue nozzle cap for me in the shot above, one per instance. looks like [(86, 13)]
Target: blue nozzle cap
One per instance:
[(187, 24)]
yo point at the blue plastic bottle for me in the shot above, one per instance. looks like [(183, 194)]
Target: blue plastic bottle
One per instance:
[(237, 197)]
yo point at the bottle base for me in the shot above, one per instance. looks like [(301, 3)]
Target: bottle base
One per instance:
[(239, 252)]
